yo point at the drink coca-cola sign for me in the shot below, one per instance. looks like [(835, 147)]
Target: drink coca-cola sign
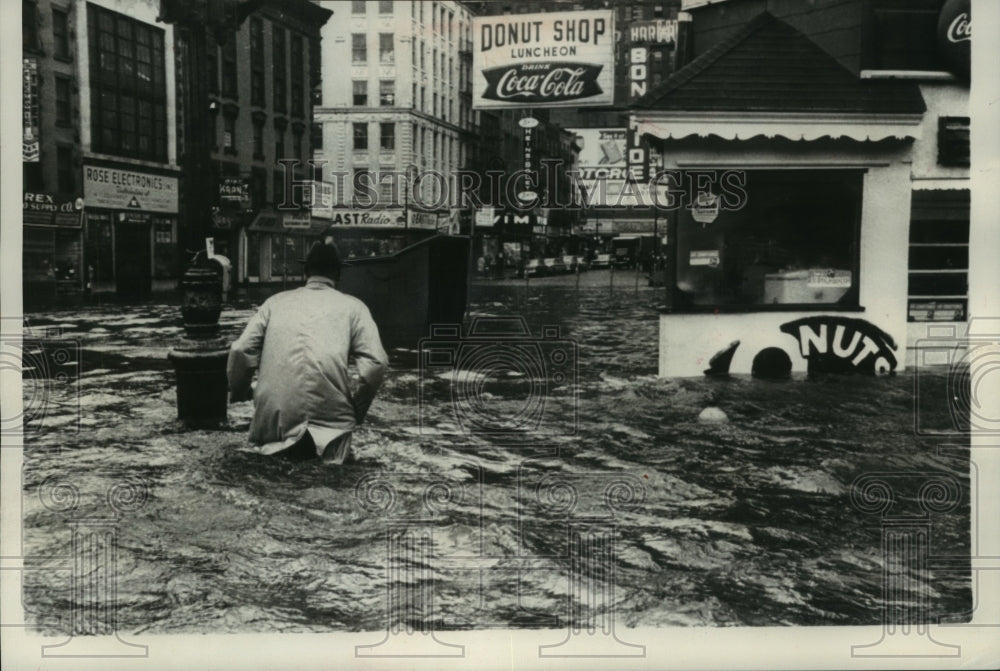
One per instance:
[(544, 60), (954, 32), (542, 82)]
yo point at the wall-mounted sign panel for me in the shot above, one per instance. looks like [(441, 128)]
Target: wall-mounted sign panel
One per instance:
[(557, 59)]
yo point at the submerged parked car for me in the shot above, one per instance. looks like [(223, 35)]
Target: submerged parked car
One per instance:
[(601, 261), (534, 268), (554, 265)]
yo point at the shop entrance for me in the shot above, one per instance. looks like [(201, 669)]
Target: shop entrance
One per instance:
[(133, 258)]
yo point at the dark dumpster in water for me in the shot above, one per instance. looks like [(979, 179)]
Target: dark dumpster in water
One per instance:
[(422, 284)]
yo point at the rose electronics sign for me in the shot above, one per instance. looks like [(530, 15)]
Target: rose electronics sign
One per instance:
[(558, 59)]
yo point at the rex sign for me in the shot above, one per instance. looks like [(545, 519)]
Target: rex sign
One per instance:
[(558, 59)]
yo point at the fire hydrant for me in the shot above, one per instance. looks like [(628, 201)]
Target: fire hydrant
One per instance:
[(200, 357)]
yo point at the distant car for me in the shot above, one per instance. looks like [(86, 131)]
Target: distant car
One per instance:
[(581, 263), (534, 267), (570, 262), (601, 261), (554, 265)]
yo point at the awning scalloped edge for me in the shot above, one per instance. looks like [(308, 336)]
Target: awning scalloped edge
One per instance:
[(796, 131)]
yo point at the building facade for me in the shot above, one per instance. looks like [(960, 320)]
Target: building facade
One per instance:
[(844, 224), (248, 73), (101, 206), (396, 121)]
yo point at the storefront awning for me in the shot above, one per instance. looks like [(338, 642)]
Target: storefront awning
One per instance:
[(768, 79)]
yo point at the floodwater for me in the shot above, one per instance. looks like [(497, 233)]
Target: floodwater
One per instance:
[(621, 502)]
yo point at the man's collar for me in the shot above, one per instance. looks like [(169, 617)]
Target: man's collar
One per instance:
[(320, 279)]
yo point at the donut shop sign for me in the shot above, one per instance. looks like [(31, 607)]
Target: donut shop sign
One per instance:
[(556, 59)]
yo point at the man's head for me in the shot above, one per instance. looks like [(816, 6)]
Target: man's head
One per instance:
[(323, 259)]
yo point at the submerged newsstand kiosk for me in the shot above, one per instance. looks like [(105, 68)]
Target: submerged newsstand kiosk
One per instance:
[(790, 183)]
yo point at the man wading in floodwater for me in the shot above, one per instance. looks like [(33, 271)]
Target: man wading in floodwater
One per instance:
[(301, 340)]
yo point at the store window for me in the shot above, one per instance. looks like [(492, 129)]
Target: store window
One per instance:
[(782, 238), (939, 255), (164, 248), (387, 132), (286, 254), (60, 34), (359, 48), (99, 248), (253, 255), (128, 84)]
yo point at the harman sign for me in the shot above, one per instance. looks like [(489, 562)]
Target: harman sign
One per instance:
[(534, 60)]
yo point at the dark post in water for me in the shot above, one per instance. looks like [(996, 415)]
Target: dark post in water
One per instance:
[(199, 359)]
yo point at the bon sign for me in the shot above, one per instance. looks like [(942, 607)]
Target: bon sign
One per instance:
[(544, 60)]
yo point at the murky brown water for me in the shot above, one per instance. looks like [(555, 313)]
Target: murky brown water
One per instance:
[(745, 523)]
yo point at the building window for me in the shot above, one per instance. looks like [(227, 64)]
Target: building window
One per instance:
[(128, 86), (953, 141), (386, 49), (278, 185), (755, 252), (359, 48), (387, 131), (258, 187), (298, 133), (387, 93), (257, 95), (363, 191), (385, 6), (360, 136), (60, 34), (229, 134), (29, 24), (358, 6), (900, 31), (939, 255), (230, 85), (64, 109), (316, 135), (279, 142), (298, 76), (279, 64), (66, 172), (360, 93), (212, 66), (258, 138)]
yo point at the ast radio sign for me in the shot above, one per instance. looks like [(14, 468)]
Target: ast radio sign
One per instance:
[(558, 59)]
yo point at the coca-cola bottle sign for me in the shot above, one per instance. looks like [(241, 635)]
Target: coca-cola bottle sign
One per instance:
[(954, 33)]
